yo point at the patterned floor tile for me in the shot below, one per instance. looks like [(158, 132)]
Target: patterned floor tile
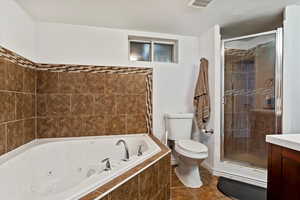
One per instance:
[(208, 191)]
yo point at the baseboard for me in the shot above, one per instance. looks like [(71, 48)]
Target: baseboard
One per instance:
[(236, 177), (244, 179)]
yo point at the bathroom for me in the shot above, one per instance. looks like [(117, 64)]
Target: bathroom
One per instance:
[(96, 97)]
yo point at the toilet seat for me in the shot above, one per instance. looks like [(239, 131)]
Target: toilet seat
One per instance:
[(191, 149)]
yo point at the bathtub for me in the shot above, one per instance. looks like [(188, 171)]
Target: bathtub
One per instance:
[(68, 168)]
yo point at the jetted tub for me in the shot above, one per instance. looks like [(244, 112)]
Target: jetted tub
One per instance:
[(68, 168)]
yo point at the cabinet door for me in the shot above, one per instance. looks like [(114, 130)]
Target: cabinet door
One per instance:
[(283, 174), (274, 190), (291, 174)]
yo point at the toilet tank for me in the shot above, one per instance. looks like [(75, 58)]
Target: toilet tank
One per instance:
[(179, 126)]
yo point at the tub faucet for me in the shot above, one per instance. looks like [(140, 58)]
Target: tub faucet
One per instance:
[(126, 149), (107, 164), (140, 153)]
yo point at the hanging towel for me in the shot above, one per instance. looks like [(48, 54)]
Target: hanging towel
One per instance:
[(201, 97)]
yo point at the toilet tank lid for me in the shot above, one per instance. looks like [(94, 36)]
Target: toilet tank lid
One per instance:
[(179, 115)]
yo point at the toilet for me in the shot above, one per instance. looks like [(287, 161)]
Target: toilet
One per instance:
[(188, 153)]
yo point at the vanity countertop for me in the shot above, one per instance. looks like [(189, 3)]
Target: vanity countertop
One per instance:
[(290, 141)]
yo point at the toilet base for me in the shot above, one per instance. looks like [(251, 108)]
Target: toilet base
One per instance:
[(189, 174)]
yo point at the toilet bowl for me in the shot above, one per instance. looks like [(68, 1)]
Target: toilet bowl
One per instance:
[(189, 155)]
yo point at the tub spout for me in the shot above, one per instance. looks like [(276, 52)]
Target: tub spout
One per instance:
[(126, 149)]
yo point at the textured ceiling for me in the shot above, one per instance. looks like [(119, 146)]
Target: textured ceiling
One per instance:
[(236, 17)]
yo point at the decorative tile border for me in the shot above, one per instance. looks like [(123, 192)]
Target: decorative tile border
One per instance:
[(17, 59), (240, 52)]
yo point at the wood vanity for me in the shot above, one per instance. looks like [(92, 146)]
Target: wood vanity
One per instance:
[(283, 167)]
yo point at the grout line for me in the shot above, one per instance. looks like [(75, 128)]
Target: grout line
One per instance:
[(6, 138), (12, 121), (36, 106), (16, 92)]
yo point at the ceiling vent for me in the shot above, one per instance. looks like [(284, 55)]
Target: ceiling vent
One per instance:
[(199, 3)]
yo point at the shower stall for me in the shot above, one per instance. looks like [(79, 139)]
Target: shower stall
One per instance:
[(252, 97)]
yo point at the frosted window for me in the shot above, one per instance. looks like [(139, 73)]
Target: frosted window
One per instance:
[(140, 51), (163, 52)]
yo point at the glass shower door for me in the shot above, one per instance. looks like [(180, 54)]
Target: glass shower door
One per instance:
[(251, 97)]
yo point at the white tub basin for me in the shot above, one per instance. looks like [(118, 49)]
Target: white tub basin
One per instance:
[(68, 168)]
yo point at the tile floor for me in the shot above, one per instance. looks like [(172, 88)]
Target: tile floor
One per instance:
[(208, 191)]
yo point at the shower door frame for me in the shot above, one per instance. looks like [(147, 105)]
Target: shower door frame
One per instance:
[(278, 89)]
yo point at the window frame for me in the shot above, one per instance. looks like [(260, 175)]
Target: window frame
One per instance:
[(154, 41)]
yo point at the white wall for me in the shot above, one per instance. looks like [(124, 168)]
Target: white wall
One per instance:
[(17, 29), (291, 70), (173, 83), (210, 49)]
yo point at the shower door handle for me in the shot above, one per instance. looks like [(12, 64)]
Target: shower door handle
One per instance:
[(224, 100), (210, 131)]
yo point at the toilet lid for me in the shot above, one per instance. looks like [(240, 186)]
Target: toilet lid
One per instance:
[(192, 146)]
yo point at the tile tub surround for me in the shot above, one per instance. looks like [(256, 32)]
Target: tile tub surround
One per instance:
[(90, 104), (68, 100), (151, 180), (17, 105)]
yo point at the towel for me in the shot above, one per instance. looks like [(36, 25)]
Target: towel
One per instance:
[(201, 96)]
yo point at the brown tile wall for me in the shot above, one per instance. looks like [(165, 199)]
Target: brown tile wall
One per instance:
[(90, 104), (45, 100), (151, 184), (17, 105)]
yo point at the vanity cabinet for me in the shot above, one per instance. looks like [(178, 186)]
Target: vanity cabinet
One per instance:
[(283, 173)]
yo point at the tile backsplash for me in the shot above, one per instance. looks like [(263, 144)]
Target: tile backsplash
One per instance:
[(45, 100)]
